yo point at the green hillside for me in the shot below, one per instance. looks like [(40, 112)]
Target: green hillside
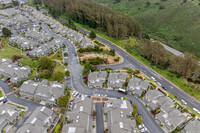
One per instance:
[(172, 22)]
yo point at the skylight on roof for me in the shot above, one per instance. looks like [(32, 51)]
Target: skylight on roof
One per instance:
[(124, 104), (81, 108), (121, 125)]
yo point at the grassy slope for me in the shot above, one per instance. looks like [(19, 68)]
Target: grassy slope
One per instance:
[(177, 25), (8, 52)]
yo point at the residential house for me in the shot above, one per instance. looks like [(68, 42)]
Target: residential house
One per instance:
[(80, 118), (137, 86), (22, 42), (168, 116), (9, 12), (28, 89), (13, 71), (116, 80), (45, 92), (5, 2), (41, 37), (151, 99), (192, 127), (97, 79), (40, 121), (8, 114), (47, 49), (118, 116), (170, 120)]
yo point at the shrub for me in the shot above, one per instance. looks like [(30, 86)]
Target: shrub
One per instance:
[(58, 76), (116, 59), (67, 73)]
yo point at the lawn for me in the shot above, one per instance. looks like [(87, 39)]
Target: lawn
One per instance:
[(57, 128), (17, 106), (1, 94), (8, 52), (59, 67), (57, 56), (22, 113), (177, 25), (25, 61)]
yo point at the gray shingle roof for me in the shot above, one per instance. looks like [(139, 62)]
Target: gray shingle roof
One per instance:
[(40, 120), (81, 116), (192, 127)]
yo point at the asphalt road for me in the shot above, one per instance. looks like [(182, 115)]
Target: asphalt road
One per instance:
[(130, 60), (30, 104), (99, 118), (76, 70), (77, 82)]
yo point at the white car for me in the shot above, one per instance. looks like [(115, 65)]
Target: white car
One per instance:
[(153, 78), (141, 126), (159, 83), (196, 110), (183, 101), (143, 129)]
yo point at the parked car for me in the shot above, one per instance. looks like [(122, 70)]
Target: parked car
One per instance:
[(7, 79), (153, 78), (196, 110), (164, 87), (158, 83), (183, 101), (3, 99)]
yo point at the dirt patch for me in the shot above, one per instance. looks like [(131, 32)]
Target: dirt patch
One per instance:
[(105, 56)]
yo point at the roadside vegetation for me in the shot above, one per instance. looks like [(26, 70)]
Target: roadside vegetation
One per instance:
[(1, 94)]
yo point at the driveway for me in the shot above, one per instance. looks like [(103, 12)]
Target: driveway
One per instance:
[(99, 118)]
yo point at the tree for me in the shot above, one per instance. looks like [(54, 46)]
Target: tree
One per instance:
[(92, 35), (139, 119), (37, 8), (45, 63), (148, 4), (87, 68), (71, 24), (112, 52), (15, 3), (134, 110), (6, 32), (46, 74), (58, 76), (15, 58), (184, 65), (63, 100), (67, 73)]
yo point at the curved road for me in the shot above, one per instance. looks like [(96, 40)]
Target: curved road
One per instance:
[(76, 70), (12, 97), (130, 60)]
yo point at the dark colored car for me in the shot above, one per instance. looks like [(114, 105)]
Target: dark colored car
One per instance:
[(6, 80), (164, 87)]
